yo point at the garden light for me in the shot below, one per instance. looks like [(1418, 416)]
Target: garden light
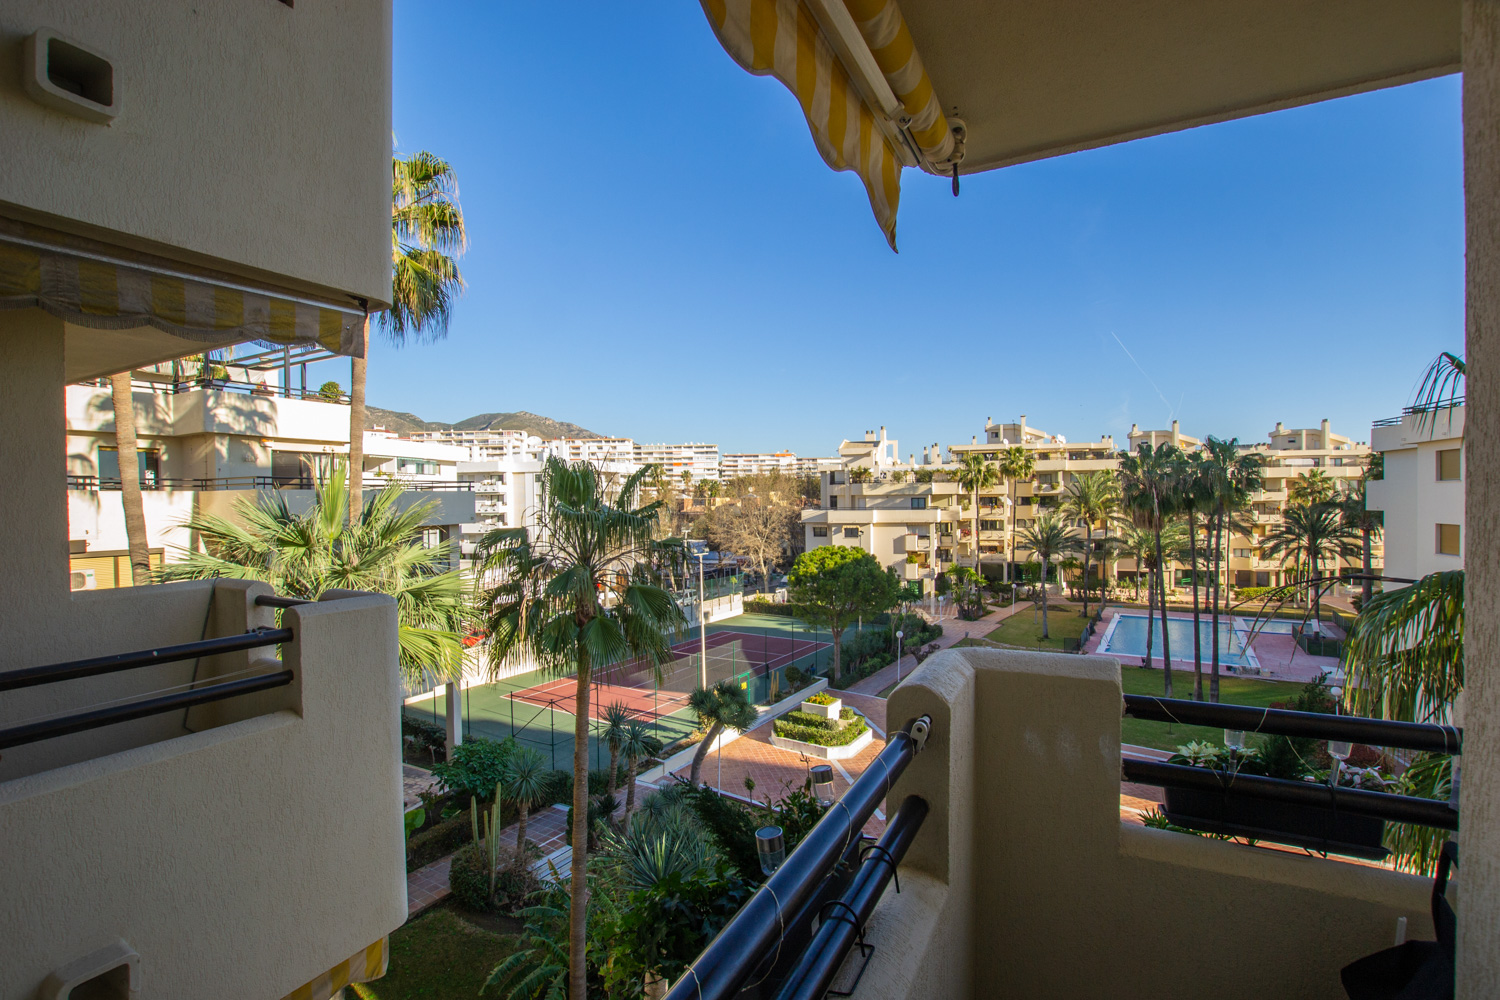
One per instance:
[(770, 845), (822, 783)]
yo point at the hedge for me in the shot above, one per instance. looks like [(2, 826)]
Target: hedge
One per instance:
[(438, 841), (814, 729)]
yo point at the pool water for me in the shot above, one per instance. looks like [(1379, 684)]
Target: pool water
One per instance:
[(1127, 637)]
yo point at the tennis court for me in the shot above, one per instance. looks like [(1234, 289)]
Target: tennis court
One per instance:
[(537, 708)]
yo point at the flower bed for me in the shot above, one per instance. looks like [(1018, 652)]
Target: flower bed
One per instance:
[(815, 736)]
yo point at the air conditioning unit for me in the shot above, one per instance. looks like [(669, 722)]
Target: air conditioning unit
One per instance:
[(82, 579)]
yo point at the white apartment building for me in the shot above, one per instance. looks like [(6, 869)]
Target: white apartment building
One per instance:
[(486, 444), (206, 445), (1421, 491), (757, 463), (698, 460)]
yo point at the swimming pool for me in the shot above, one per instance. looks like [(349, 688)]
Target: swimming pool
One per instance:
[(1127, 637)]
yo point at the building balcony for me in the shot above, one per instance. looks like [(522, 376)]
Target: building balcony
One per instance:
[(237, 828), (913, 571), (1063, 898)]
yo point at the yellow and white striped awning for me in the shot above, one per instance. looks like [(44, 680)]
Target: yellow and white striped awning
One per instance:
[(95, 291), (853, 67), (363, 966)]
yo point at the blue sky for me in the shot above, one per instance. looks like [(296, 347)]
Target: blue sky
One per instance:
[(658, 251)]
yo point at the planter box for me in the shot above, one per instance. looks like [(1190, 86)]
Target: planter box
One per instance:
[(827, 753), (1312, 827), (829, 711)]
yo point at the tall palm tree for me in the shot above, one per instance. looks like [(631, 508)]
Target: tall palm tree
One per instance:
[(1138, 544), (1046, 537), (574, 599), (638, 745), (127, 452), (1146, 483), (972, 475), (616, 719), (1016, 464), (427, 238), (1368, 523), (725, 705), (381, 550), (1194, 495), (1315, 487), (1094, 499), (1309, 534), (1231, 478), (527, 781)]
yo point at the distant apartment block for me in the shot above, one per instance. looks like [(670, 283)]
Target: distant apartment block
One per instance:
[(698, 460), (486, 444), (1421, 491)]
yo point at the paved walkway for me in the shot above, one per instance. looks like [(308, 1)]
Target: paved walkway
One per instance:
[(414, 781), (954, 629)]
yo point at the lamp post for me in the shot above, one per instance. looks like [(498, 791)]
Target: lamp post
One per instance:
[(899, 636), (702, 628)]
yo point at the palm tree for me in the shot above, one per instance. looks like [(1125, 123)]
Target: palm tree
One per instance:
[(127, 452), (380, 550), (1016, 464), (637, 745), (723, 705), (527, 781), (427, 237), (1231, 478), (573, 598), (1368, 523), (1138, 544), (1146, 482), (1093, 498), (1046, 537), (1309, 534), (1314, 488), (616, 719), (1194, 496), (972, 475)]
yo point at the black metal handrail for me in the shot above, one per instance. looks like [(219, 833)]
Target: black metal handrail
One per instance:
[(46, 729), (272, 601), (751, 939), (1381, 805), (1284, 722), (844, 919), (54, 672)]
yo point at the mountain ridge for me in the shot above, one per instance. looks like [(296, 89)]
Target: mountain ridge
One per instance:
[(401, 422)]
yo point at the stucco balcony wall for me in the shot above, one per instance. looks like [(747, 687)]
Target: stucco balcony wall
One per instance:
[(1024, 882), (241, 849)]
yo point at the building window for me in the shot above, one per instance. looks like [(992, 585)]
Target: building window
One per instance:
[(820, 532), (1242, 553), (413, 467), (1448, 465), (918, 503), (1447, 540), (833, 503), (989, 525), (148, 460), (851, 532)]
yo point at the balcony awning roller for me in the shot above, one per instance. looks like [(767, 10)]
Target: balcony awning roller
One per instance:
[(363, 966), (94, 291)]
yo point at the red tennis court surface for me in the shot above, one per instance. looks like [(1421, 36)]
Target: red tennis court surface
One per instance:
[(633, 683)]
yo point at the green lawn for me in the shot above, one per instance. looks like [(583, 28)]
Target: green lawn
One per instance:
[(1064, 624), (438, 956), (1169, 736)]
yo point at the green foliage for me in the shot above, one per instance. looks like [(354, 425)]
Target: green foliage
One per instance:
[(731, 824), (922, 475), (476, 767), (821, 698), (469, 877), (1405, 654), (413, 821), (837, 585), (437, 841), (1251, 593), (331, 391), (424, 735), (664, 927), (725, 705), (808, 728), (1415, 848), (427, 236)]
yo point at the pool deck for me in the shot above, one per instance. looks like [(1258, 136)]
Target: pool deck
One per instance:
[(1278, 655)]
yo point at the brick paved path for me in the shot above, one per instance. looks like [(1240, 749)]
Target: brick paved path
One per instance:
[(427, 886)]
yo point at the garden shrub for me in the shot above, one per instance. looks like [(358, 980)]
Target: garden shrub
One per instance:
[(821, 698), (772, 608), (475, 767), (469, 881), (438, 841), (809, 728), (425, 736)]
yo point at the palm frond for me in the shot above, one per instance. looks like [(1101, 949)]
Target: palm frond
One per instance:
[(1404, 655)]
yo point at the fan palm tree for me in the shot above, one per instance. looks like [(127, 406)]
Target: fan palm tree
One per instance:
[(573, 598), (1441, 384), (1147, 485), (1046, 537), (380, 550), (1313, 488), (1016, 464), (1094, 499), (1309, 534), (427, 238), (1368, 523), (1138, 544), (1231, 479), (616, 719), (1194, 496), (638, 745), (972, 475), (527, 781), (725, 705)]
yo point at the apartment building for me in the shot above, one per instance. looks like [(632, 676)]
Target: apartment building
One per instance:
[(1421, 490), (182, 823), (698, 460), (757, 463), (486, 444)]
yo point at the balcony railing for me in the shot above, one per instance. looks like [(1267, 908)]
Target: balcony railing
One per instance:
[(1456, 402), (95, 484), (168, 388), (771, 940)]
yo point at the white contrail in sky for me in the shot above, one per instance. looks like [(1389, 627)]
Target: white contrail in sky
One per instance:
[(1138, 367)]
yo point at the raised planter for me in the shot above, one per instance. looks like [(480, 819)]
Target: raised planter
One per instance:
[(829, 711), (827, 753), (1313, 827)]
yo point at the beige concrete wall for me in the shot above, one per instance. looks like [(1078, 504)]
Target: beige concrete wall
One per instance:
[(1024, 854), (275, 122), (241, 861)]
